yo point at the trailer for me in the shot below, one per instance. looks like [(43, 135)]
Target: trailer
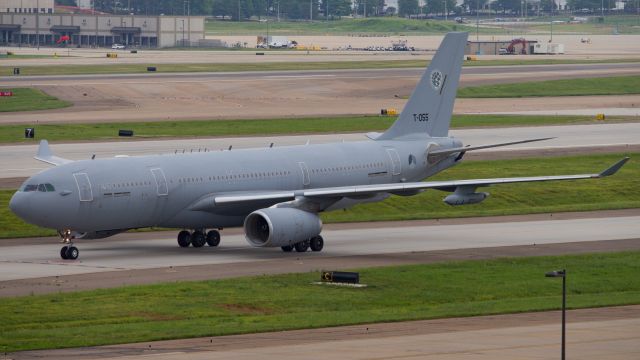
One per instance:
[(548, 48)]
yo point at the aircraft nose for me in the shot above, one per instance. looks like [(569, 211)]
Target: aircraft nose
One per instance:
[(19, 204)]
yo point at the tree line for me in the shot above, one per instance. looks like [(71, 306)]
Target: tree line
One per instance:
[(242, 9)]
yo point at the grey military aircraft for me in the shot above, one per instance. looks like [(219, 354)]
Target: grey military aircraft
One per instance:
[(275, 193)]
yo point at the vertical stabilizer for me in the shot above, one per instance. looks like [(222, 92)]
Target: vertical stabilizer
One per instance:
[(430, 106)]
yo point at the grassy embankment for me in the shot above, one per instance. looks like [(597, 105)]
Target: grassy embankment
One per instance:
[(387, 26), (262, 127), (619, 85), (271, 303), (274, 66), (29, 99), (617, 192)]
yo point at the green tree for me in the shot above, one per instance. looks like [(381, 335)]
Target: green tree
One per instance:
[(337, 7), (408, 7)]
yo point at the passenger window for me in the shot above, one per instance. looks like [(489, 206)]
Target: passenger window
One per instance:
[(49, 187)]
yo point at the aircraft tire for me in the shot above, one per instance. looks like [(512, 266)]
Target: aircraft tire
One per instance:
[(184, 238), (287, 248), (72, 253), (63, 252), (316, 243), (302, 246), (213, 238), (197, 239)]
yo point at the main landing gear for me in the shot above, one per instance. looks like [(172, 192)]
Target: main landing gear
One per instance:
[(68, 252), (198, 238), (316, 244)]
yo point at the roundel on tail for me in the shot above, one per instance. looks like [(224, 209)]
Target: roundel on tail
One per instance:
[(436, 79)]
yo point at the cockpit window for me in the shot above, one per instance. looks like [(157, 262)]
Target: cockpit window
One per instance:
[(30, 188), (39, 187)]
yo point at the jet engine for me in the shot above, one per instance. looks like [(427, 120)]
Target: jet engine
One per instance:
[(465, 199), (275, 227)]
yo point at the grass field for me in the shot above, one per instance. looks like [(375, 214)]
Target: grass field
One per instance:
[(619, 85), (289, 126), (394, 25), (29, 99), (271, 303), (613, 24), (274, 66), (616, 192)]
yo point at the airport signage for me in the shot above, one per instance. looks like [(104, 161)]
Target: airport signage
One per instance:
[(6, 93)]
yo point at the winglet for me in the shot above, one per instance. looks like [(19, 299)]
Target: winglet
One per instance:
[(614, 168), (44, 154)]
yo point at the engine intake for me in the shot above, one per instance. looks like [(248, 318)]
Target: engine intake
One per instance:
[(275, 227)]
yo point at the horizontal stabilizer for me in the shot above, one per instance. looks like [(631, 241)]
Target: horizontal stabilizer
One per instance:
[(479, 147), (44, 154)]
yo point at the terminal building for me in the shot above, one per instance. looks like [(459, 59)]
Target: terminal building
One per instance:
[(44, 28), (27, 6)]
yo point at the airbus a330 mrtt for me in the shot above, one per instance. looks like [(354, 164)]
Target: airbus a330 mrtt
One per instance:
[(275, 193)]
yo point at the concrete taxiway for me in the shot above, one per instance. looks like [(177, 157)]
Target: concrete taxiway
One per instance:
[(17, 160), (604, 333), (265, 94), (18, 261)]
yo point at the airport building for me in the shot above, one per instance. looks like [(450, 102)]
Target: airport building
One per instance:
[(87, 30), (27, 6)]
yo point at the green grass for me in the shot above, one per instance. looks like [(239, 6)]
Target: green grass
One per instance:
[(394, 25), (29, 99), (251, 127), (33, 70), (283, 302), (617, 192), (619, 85), (620, 24)]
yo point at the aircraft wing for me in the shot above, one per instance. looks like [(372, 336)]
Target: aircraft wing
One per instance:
[(44, 154), (396, 188)]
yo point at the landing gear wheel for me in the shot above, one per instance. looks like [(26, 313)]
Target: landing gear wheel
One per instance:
[(213, 238), (184, 238), (316, 243), (302, 246), (288, 248), (72, 253), (63, 252), (197, 239)]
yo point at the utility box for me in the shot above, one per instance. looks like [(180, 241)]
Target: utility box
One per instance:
[(548, 48)]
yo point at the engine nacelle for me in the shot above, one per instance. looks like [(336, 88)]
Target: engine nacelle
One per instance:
[(465, 199), (274, 227)]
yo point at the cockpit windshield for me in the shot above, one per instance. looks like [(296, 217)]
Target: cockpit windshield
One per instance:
[(39, 187)]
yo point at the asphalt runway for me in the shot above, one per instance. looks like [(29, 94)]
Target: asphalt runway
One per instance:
[(17, 160), (19, 261)]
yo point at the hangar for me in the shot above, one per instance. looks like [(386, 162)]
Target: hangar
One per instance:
[(88, 30)]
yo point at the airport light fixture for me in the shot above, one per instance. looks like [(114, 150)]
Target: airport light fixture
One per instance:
[(563, 274)]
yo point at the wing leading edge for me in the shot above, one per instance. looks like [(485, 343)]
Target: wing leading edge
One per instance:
[(355, 191)]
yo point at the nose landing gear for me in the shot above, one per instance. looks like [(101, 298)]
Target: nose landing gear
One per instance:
[(68, 252)]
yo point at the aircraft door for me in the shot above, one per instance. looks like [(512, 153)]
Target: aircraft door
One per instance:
[(161, 182), (84, 187), (396, 165), (306, 180)]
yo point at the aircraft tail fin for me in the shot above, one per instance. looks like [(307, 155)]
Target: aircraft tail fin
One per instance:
[(430, 106)]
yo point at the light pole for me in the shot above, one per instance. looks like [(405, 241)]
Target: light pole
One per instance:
[(563, 274), (478, 25)]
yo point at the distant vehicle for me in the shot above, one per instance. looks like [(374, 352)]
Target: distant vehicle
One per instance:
[(461, 20), (503, 51), (118, 47)]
